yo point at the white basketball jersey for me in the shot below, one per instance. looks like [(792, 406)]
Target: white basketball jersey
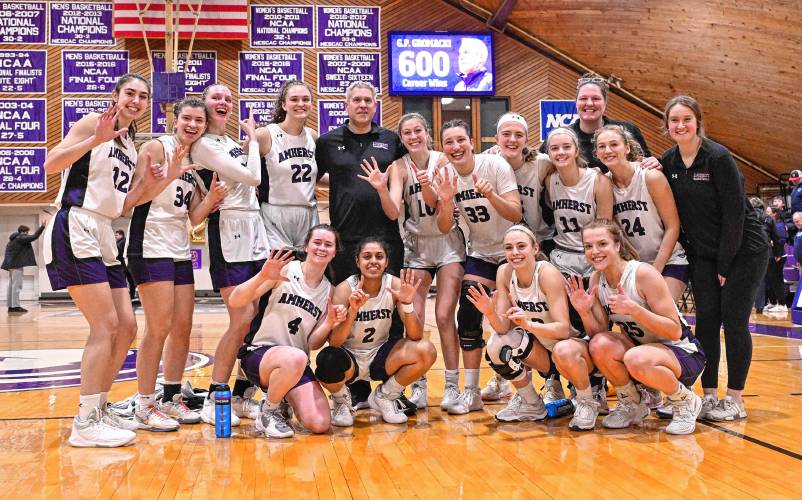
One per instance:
[(530, 184), (100, 179), (371, 327), (486, 226), (533, 301), (293, 311), (291, 168), (638, 216), (240, 196), (574, 206), (420, 218), (638, 333)]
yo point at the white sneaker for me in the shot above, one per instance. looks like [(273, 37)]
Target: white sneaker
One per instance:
[(177, 410), (519, 411), (626, 413), (553, 390), (419, 396), (450, 396), (770, 308), (341, 415), (685, 411), (391, 413), (110, 418), (600, 395), (781, 308), (470, 400), (496, 389), (124, 408), (92, 432), (151, 419), (727, 410), (271, 423), (245, 406), (585, 413), (709, 403), (650, 397), (207, 413)]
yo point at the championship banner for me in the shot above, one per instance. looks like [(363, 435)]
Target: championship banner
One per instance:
[(260, 109), (340, 27), (196, 256), (23, 22), (219, 19), (74, 108), (22, 170), (556, 114), (158, 118), (337, 70), (23, 120), (92, 71), (265, 72), (23, 71), (332, 114), (200, 72), (282, 26), (81, 23)]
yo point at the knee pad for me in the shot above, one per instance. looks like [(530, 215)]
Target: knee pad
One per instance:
[(469, 319), (506, 353), (331, 365)]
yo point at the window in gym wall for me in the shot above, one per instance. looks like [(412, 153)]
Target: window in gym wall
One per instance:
[(490, 110)]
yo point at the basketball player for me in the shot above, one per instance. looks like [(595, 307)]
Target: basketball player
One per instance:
[(483, 187), (360, 348)]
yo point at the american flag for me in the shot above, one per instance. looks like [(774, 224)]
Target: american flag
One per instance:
[(219, 19)]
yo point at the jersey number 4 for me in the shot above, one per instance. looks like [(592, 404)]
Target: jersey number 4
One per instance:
[(301, 173), (293, 325)]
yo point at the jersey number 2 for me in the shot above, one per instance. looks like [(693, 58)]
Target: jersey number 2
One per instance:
[(369, 337)]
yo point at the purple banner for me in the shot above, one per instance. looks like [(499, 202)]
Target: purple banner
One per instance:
[(282, 26), (158, 119), (200, 72), (81, 23), (22, 170), (92, 71), (73, 109), (260, 109), (348, 27), (23, 22), (337, 70), (23, 71), (23, 120), (332, 114), (196, 254), (264, 72)]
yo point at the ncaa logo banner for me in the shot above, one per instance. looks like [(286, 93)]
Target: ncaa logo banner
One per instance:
[(556, 114)]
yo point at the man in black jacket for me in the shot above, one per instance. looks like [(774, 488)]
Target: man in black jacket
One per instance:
[(19, 254)]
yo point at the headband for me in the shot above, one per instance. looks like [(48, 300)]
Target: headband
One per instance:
[(512, 117)]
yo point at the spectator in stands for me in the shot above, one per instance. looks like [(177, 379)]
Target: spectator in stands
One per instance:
[(796, 193), (770, 293), (19, 254), (778, 203), (797, 218)]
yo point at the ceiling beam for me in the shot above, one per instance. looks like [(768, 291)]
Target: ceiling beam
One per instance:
[(499, 18)]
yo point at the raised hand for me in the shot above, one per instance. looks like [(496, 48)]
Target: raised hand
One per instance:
[(620, 303), (271, 270), (482, 185), (408, 285), (217, 192), (421, 175), (480, 300), (581, 300), (249, 127), (176, 167), (374, 175), (517, 316), (357, 298), (104, 128), (446, 184), (335, 314)]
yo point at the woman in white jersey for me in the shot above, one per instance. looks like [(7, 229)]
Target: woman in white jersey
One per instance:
[(297, 319), (159, 262), (483, 187), (360, 348), (237, 240), (529, 313), (289, 173), (653, 345), (427, 251), (644, 206), (577, 195), (97, 159)]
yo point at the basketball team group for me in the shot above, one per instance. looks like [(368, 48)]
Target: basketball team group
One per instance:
[(575, 254)]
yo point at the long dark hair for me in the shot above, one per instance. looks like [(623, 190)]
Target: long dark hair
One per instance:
[(368, 240), (278, 112)]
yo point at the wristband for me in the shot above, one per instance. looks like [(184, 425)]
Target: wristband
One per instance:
[(407, 308)]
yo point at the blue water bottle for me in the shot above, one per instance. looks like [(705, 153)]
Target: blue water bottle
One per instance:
[(559, 408), (222, 411)]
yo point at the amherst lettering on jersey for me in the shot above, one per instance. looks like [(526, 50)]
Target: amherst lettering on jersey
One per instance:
[(533, 306), (527, 191), (119, 154), (629, 205), (236, 152), (303, 303), (373, 314), (295, 153), (568, 204), (468, 194)]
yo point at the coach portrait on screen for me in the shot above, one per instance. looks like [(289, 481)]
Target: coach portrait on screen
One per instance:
[(472, 67)]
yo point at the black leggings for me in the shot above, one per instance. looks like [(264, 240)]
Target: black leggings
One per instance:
[(729, 306)]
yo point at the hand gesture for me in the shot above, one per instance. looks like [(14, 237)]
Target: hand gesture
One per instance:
[(580, 299), (176, 167), (374, 175), (516, 314), (249, 127), (480, 300), (650, 163), (620, 303), (406, 292), (357, 298), (482, 185), (217, 192), (422, 176), (271, 270), (104, 128), (153, 172), (446, 184), (335, 314)]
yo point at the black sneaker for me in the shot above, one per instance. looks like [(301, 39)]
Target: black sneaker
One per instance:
[(407, 406)]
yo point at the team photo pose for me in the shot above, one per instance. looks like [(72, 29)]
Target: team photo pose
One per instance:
[(727, 248), (360, 348), (97, 159), (237, 240), (297, 319), (654, 346), (483, 187), (529, 313)]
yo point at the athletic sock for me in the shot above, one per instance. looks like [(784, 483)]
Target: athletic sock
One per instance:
[(585, 394), (86, 404), (339, 394), (145, 400), (528, 393), (452, 376), (392, 388), (240, 386), (682, 391), (471, 377), (104, 398), (170, 389), (628, 390), (214, 386)]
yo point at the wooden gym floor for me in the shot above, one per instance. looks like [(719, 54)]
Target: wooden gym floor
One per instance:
[(434, 456)]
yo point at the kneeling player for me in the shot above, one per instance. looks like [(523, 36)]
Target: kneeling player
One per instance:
[(361, 348)]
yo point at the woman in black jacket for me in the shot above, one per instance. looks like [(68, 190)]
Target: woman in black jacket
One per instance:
[(726, 247), (19, 254)]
